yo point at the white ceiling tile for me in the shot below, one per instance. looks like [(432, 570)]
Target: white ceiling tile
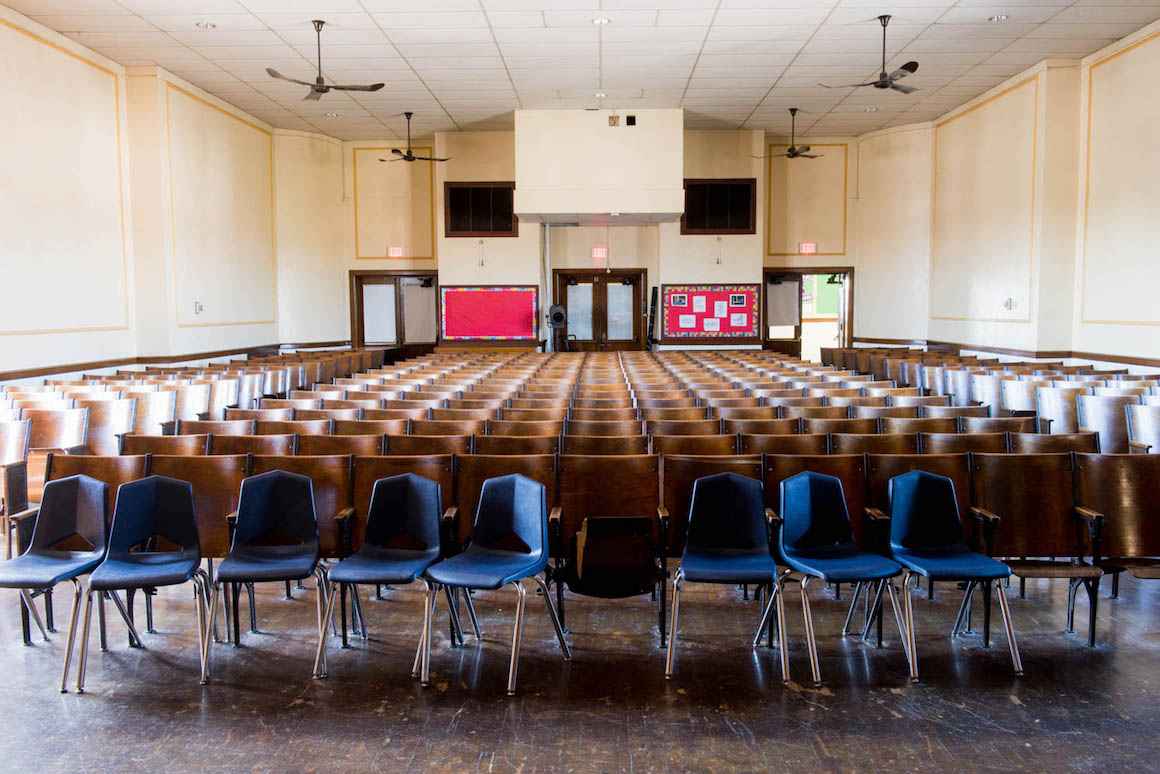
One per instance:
[(1113, 30), (288, 19), (1140, 15), (173, 22), (770, 17), (516, 19), (149, 7), (978, 14), (584, 19), (196, 37), (447, 20), (685, 18), (64, 7), (94, 22)]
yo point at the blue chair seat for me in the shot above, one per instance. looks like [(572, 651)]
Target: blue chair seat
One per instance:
[(842, 565), (144, 570), (724, 566), (486, 568), (260, 564), (952, 566), (383, 565), (47, 568)]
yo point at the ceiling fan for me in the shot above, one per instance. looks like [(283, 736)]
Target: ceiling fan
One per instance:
[(885, 80), (796, 151), (409, 155), (320, 87)]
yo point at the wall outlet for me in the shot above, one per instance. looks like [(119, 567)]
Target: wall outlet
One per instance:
[(198, 307), (1009, 304)]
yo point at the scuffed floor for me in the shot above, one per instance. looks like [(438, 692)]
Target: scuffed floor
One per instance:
[(610, 709)]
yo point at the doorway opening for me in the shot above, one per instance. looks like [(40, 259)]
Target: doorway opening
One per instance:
[(394, 308), (605, 309), (807, 309)]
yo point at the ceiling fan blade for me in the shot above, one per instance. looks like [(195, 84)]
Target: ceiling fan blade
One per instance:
[(803, 149), (313, 96), (429, 158), (903, 88), (396, 151), (370, 87), (910, 67), (847, 85), (810, 155), (275, 74)]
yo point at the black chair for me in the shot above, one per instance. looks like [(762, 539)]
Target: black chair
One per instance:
[(275, 540), (509, 543), (816, 540), (72, 507), (401, 542), (926, 538), (153, 543), (727, 542)]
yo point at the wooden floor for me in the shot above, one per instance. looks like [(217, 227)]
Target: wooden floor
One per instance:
[(610, 709)]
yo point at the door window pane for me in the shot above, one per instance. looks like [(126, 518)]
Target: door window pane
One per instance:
[(620, 316), (579, 305), (418, 310), (379, 314)]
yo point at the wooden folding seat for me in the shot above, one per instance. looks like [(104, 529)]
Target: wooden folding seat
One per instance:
[(804, 443), (917, 400), (52, 430), (604, 445), (370, 427), (14, 440), (517, 444), (352, 404), (1143, 428), (678, 427), (217, 483), (850, 469), (291, 403), (216, 427), (1107, 415), (856, 401), (264, 415), (107, 421), (955, 411), (623, 427), (703, 445), (662, 393), (609, 531), (176, 445), (314, 395), (998, 425), (959, 443), (223, 393), (871, 412), (472, 470), (428, 444), (625, 402), (604, 415), (538, 404), (841, 425), (1027, 509), (873, 443), (1056, 443), (833, 391), (1121, 492), (252, 444), (534, 415), (761, 426), (504, 427), (920, 425), (192, 400), (797, 403), (249, 388), (47, 404), (461, 415), (458, 427), (743, 412), (293, 427), (332, 414), (678, 472), (491, 406), (384, 415)]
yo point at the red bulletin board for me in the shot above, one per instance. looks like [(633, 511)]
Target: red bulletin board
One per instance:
[(488, 312), (711, 311)]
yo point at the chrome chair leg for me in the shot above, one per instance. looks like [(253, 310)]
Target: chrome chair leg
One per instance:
[(782, 637), (517, 637), (253, 608), (84, 655), (564, 649), (1072, 592), (765, 614), (356, 607), (455, 629), (32, 611), (134, 637), (199, 596), (72, 632), (320, 669), (811, 642), (1016, 660), (475, 619), (428, 615), (216, 593), (422, 632), (853, 604), (875, 603), (961, 617), (896, 608), (908, 617), (673, 617)]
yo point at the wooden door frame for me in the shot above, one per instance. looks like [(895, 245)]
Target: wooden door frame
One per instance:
[(802, 271), (640, 304), (356, 278)]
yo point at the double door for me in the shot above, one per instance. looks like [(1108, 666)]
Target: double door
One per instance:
[(605, 309)]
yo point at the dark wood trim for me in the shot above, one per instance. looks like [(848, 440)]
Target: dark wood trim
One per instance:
[(750, 181), (901, 342), (533, 339), (449, 185), (96, 365), (639, 308), (847, 270), (356, 277), (718, 340), (1051, 354)]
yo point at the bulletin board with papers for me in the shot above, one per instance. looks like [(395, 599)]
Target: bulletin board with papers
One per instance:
[(703, 313)]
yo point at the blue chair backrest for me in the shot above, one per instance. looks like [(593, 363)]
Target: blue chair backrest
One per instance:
[(813, 512), (154, 507), (71, 506), (512, 515), (727, 513), (404, 513), (276, 508), (924, 513)]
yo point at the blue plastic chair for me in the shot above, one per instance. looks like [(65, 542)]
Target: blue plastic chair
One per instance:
[(509, 543), (149, 511), (401, 542), (817, 541), (70, 507), (926, 538), (727, 542), (275, 539)]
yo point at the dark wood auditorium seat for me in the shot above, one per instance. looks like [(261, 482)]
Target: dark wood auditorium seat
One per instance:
[(176, 445), (703, 445), (601, 445), (253, 444), (517, 444), (359, 445), (957, 443), (806, 443), (1039, 443)]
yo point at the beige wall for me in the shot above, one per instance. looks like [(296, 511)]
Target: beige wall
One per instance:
[(891, 228), (66, 251), (1116, 310)]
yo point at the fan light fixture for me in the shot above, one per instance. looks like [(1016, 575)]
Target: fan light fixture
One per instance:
[(600, 21), (998, 18), (600, 95), (205, 25), (332, 114), (870, 109)]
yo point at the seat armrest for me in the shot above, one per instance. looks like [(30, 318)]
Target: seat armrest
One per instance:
[(1095, 526), (663, 514), (83, 448), (989, 520), (1138, 447), (1087, 514), (169, 428), (232, 518), (876, 514), (344, 515), (771, 516), (982, 514), (28, 513), (14, 486), (451, 514), (555, 513)]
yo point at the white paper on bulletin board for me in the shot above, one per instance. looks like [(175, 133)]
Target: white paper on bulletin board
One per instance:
[(739, 319), (698, 303), (711, 324), (720, 309), (687, 321)]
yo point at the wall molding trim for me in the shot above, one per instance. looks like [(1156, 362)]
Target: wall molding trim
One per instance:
[(1054, 354), (93, 365)]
